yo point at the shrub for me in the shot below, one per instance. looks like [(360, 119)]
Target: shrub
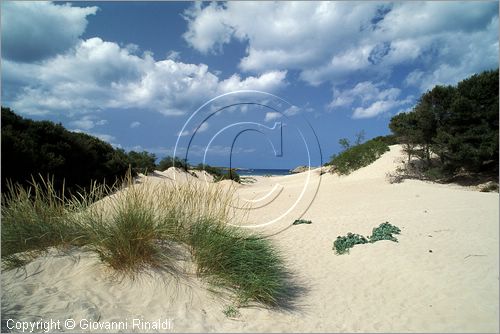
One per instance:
[(435, 173), (219, 173), (142, 162), (489, 187), (169, 161), (73, 159), (358, 156), (231, 174)]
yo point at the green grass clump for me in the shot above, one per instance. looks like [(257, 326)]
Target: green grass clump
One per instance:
[(231, 312), (127, 238), (343, 244), (38, 217), (358, 156), (142, 226), (384, 231), (245, 263)]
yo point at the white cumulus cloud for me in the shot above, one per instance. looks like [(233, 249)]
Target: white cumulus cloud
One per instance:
[(37, 30), (371, 99), (334, 41), (97, 75), (272, 115), (135, 124)]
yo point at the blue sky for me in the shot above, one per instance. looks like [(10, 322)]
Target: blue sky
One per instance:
[(133, 73)]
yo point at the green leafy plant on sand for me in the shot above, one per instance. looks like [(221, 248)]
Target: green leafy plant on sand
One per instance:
[(301, 221), (343, 244), (143, 226), (384, 231)]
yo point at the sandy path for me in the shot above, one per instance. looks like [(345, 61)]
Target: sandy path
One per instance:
[(381, 287)]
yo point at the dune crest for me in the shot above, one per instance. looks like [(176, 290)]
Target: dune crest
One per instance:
[(442, 275)]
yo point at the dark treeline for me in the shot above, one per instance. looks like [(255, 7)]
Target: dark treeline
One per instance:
[(454, 129), (32, 148)]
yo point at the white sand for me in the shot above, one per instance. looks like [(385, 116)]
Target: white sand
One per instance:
[(381, 287)]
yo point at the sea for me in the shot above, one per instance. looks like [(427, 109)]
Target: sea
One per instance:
[(263, 172)]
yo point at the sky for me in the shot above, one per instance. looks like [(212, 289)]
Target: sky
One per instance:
[(251, 84)]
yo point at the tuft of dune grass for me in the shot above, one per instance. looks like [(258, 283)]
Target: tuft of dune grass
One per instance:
[(36, 218), (246, 263), (137, 228)]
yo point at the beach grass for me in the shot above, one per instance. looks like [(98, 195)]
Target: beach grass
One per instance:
[(137, 227), (245, 263), (38, 217)]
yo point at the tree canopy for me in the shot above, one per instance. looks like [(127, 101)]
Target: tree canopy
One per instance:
[(457, 123), (30, 148)]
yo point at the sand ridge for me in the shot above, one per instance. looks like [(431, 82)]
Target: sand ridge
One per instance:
[(442, 275)]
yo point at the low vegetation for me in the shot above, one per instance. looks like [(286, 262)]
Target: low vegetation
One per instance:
[(343, 244), (144, 226), (170, 161), (231, 311), (384, 231), (301, 221), (246, 263), (358, 156), (219, 173)]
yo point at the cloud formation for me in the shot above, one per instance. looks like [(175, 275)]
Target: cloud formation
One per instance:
[(97, 74), (371, 99), (88, 122), (37, 30), (135, 124), (333, 41)]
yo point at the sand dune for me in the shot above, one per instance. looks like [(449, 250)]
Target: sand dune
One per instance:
[(442, 276)]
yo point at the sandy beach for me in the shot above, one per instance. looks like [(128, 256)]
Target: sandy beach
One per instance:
[(442, 275)]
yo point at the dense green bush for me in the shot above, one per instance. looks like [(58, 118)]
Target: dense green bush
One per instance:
[(30, 148), (459, 124), (219, 173), (169, 161), (388, 140), (141, 162), (358, 156)]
